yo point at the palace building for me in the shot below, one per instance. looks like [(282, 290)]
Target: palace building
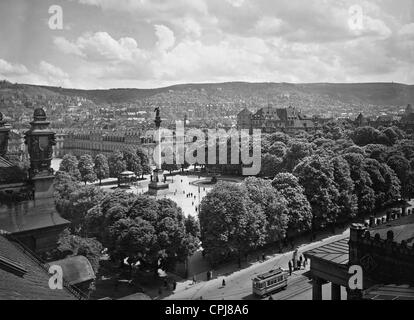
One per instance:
[(106, 142), (272, 119)]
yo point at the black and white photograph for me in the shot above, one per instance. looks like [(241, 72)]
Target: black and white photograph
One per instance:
[(203, 157)]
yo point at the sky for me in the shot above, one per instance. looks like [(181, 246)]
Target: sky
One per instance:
[(153, 43)]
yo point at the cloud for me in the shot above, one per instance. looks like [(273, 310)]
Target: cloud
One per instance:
[(157, 42), (236, 3), (53, 75), (10, 69), (67, 47), (166, 38), (100, 46), (407, 30)]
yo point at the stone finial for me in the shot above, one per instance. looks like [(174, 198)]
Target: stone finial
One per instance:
[(390, 235), (39, 115)]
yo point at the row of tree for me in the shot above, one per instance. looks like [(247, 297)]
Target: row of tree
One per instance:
[(87, 169)]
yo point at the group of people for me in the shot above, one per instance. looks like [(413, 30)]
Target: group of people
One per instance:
[(297, 263)]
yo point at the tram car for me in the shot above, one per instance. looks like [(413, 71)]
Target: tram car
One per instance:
[(271, 281)]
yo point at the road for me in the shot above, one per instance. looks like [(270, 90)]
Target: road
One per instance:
[(239, 285)]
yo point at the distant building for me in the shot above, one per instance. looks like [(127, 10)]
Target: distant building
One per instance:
[(271, 119), (407, 120), (105, 142), (361, 121)]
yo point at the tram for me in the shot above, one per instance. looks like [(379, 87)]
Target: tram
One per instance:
[(269, 282)]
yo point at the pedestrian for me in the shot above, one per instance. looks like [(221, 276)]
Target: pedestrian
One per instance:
[(299, 264), (300, 261), (174, 285), (223, 283), (194, 279), (263, 257), (290, 267)]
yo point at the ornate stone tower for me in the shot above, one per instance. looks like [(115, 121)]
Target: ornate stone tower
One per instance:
[(4, 136), (40, 141)]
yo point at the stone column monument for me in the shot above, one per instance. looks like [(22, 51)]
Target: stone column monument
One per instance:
[(157, 185)]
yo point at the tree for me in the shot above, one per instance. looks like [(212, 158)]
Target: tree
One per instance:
[(316, 175), (132, 161), (142, 229), (362, 183), (64, 185), (299, 210), (271, 165), (296, 152), (73, 245), (385, 182), (368, 135), (377, 152), (86, 169), (347, 201), (402, 168), (273, 205), (145, 164), (69, 164), (117, 164), (230, 223), (278, 149), (78, 204), (101, 167), (169, 167)]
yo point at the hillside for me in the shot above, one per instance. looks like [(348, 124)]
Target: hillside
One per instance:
[(357, 93), (300, 95)]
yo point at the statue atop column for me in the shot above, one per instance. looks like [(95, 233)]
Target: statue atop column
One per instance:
[(157, 117), (158, 185)]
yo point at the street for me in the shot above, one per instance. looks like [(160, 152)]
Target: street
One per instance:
[(239, 285)]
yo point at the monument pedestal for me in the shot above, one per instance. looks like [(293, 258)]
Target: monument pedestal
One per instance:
[(157, 186)]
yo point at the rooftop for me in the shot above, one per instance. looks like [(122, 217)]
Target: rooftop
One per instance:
[(389, 292), (76, 269), (30, 215), (30, 284), (335, 252)]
